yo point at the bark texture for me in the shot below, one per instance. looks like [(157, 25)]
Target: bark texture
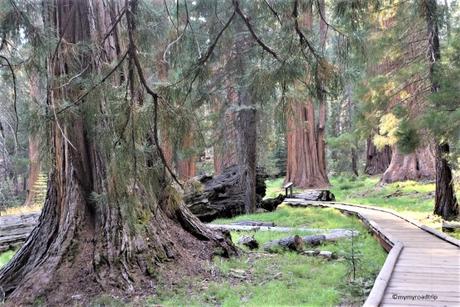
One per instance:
[(446, 204), (186, 167), (377, 161), (98, 232), (306, 163), (238, 143), (14, 230), (222, 196), (304, 166), (34, 169), (419, 165)]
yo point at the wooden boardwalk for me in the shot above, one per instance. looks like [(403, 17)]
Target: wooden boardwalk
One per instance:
[(423, 266)]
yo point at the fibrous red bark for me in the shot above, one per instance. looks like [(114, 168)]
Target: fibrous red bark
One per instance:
[(306, 163), (102, 228), (377, 161), (304, 168), (419, 165), (34, 169), (446, 204), (186, 167)]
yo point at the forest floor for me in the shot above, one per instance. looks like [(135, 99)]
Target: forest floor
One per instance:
[(258, 278)]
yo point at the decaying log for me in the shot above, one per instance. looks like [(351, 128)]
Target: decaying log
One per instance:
[(294, 243), (270, 204), (221, 196), (317, 253), (249, 241), (450, 226), (297, 243), (316, 195), (14, 230), (254, 223), (233, 227)]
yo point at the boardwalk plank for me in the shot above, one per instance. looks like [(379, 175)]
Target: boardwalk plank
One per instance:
[(429, 262)]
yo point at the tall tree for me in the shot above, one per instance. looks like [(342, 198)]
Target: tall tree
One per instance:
[(108, 222), (306, 163), (446, 204)]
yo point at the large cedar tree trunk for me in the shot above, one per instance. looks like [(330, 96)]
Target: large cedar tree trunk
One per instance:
[(377, 161), (306, 163), (238, 143), (102, 228), (446, 204), (34, 155), (225, 147), (34, 169), (419, 165), (186, 167)]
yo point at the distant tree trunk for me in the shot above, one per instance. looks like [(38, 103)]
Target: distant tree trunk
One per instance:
[(247, 154), (303, 162), (102, 228), (321, 93), (34, 156), (419, 165), (354, 162), (377, 161), (167, 144), (34, 169), (238, 142), (446, 204), (306, 165), (225, 148), (186, 167)]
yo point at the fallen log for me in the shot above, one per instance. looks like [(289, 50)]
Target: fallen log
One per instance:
[(316, 195), (221, 196), (249, 241), (297, 243), (270, 204), (233, 227), (254, 223), (14, 230), (294, 243), (450, 226), (323, 254)]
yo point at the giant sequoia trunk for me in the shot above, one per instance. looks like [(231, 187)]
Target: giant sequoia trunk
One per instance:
[(446, 204), (238, 141), (303, 159), (225, 147), (306, 163), (419, 165), (34, 170), (34, 156), (377, 161), (186, 167), (102, 228)]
